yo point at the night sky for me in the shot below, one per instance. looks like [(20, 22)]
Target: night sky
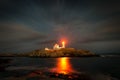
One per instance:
[(26, 25)]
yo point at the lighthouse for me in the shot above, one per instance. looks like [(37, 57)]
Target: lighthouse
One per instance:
[(63, 44), (57, 47)]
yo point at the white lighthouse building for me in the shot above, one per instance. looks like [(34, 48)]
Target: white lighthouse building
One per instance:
[(57, 47)]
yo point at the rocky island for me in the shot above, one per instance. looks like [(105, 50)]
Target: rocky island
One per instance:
[(57, 51), (62, 51), (67, 52)]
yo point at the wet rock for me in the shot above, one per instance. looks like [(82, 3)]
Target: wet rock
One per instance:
[(4, 64)]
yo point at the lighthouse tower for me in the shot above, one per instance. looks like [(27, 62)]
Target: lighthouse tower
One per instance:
[(63, 44)]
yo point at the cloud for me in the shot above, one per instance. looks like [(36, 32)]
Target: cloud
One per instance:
[(107, 30), (14, 35), (13, 31), (48, 42), (82, 22)]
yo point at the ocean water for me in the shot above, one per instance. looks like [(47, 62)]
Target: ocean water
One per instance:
[(101, 68)]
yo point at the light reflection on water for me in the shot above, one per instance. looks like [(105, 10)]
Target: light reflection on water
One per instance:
[(63, 65)]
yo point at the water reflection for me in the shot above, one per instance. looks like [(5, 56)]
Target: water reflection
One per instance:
[(63, 65)]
